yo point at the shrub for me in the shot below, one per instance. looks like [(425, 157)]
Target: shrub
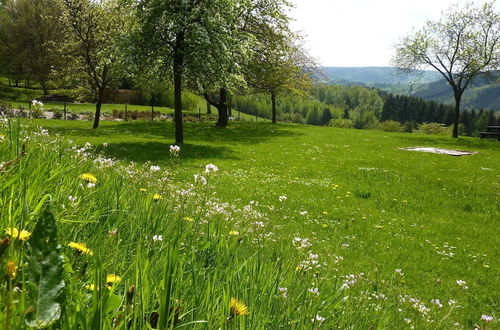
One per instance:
[(391, 126), (410, 126), (341, 123), (432, 128)]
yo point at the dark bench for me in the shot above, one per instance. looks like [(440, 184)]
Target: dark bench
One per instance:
[(492, 132)]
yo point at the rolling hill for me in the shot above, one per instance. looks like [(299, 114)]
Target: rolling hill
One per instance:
[(482, 94)]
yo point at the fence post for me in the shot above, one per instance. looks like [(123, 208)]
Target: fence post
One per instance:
[(65, 111), (126, 113), (199, 113), (152, 111), (255, 117)]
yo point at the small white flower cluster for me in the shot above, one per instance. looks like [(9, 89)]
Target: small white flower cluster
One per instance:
[(72, 199), (158, 238), (416, 304), (318, 318), (310, 263), (437, 303), (314, 291), (301, 243), (2, 138), (211, 168), (486, 318), (463, 284), (104, 162), (154, 168), (83, 151), (36, 104), (282, 198), (41, 132), (175, 150), (283, 292), (199, 179)]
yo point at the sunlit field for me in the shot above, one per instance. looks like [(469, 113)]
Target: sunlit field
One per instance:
[(255, 226)]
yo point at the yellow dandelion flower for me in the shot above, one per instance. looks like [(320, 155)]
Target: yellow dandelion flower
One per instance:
[(325, 225), (143, 190), (189, 219), (11, 270), (88, 177), (90, 287), (379, 227), (18, 234), (325, 213), (80, 247), (238, 308), (156, 197), (486, 266), (112, 278), (234, 233)]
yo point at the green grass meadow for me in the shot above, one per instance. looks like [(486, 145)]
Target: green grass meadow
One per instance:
[(308, 227)]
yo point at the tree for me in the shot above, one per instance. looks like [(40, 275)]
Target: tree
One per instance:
[(30, 33), (188, 40), (279, 65), (462, 45), (93, 31), (252, 23)]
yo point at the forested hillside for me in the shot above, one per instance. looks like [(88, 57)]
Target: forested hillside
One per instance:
[(362, 107), (373, 75), (429, 85), (481, 94)]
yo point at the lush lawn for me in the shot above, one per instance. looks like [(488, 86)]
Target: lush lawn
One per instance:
[(308, 226)]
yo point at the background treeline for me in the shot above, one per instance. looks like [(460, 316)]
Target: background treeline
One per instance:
[(292, 108), (362, 107), (412, 111)]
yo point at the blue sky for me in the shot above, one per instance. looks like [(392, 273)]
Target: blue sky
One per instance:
[(361, 32)]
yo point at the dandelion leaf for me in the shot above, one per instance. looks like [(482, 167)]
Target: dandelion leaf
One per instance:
[(45, 274)]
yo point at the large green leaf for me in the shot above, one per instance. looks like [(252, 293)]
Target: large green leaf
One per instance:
[(45, 274)]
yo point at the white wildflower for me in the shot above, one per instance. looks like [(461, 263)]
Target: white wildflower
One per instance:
[(486, 318), (318, 318), (154, 168), (175, 150), (200, 179), (211, 168)]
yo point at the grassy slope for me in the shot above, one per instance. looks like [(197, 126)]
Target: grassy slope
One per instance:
[(376, 207), (449, 199)]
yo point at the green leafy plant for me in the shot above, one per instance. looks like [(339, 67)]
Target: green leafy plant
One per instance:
[(45, 274)]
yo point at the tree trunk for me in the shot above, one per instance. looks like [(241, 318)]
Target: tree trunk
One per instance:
[(178, 63), (273, 103), (209, 108), (222, 109), (44, 88), (98, 106), (458, 98)]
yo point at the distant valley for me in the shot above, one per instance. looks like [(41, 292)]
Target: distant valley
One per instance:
[(428, 85)]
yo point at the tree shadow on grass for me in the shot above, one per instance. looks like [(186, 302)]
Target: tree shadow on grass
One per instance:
[(159, 152), (470, 144), (235, 133)]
